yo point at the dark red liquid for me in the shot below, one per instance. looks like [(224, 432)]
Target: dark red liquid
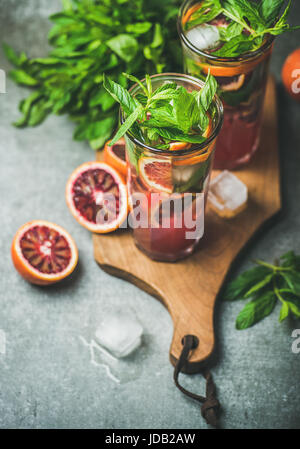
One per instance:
[(237, 141), (158, 241), (171, 244)]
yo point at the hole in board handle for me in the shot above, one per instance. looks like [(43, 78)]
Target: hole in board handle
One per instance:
[(195, 343)]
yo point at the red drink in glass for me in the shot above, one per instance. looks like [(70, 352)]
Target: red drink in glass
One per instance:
[(242, 85), (167, 188)]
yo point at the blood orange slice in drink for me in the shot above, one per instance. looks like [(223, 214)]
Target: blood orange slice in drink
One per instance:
[(199, 157), (115, 156), (97, 197), (232, 83), (43, 252), (231, 71), (156, 174), (190, 12), (175, 146)]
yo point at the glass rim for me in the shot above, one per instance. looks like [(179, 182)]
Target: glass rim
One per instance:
[(195, 147), (245, 57)]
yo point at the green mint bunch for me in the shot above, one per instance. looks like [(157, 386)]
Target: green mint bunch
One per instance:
[(168, 113), (249, 23), (90, 37), (267, 284)]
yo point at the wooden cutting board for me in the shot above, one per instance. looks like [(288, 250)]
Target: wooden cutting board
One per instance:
[(189, 288)]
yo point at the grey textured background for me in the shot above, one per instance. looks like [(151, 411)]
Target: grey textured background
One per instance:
[(46, 378)]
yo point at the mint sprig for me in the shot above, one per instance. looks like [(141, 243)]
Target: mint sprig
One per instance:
[(249, 23), (168, 113), (267, 284)]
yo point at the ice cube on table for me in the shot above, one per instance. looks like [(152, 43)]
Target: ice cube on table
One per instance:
[(227, 194), (120, 334), (204, 36)]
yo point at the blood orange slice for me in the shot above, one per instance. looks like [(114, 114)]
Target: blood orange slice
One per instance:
[(230, 71), (115, 156), (156, 173), (231, 83), (174, 146), (97, 197), (200, 157), (190, 12), (43, 252)]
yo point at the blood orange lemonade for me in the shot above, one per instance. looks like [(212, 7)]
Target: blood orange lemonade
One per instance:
[(241, 79), (168, 187)]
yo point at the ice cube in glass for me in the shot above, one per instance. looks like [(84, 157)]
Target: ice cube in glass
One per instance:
[(120, 334), (227, 194), (204, 36)]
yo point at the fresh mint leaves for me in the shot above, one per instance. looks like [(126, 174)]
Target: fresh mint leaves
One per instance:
[(249, 23), (168, 113), (270, 9), (267, 284), (87, 39), (256, 310)]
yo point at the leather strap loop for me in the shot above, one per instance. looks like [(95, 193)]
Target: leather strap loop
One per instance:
[(210, 404)]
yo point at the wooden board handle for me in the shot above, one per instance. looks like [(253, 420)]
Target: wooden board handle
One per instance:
[(191, 316)]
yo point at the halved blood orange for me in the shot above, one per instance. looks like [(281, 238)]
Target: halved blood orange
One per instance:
[(156, 173), (97, 197), (43, 252), (115, 156)]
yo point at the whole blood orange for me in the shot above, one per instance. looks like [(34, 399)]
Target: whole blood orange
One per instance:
[(43, 252), (291, 74)]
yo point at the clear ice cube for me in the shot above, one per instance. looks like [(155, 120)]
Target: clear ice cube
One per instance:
[(120, 334), (227, 194), (204, 36), (182, 174)]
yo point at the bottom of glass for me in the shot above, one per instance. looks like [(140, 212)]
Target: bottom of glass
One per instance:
[(168, 257), (235, 164)]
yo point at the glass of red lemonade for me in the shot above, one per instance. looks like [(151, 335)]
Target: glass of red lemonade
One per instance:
[(242, 85), (168, 188)]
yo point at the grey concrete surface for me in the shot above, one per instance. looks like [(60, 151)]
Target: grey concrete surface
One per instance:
[(46, 378)]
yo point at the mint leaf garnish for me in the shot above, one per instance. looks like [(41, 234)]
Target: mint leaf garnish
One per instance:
[(249, 22), (168, 113), (121, 95), (208, 92), (270, 9), (131, 119)]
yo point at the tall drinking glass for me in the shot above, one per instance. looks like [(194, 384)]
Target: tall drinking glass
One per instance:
[(168, 189), (242, 85)]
